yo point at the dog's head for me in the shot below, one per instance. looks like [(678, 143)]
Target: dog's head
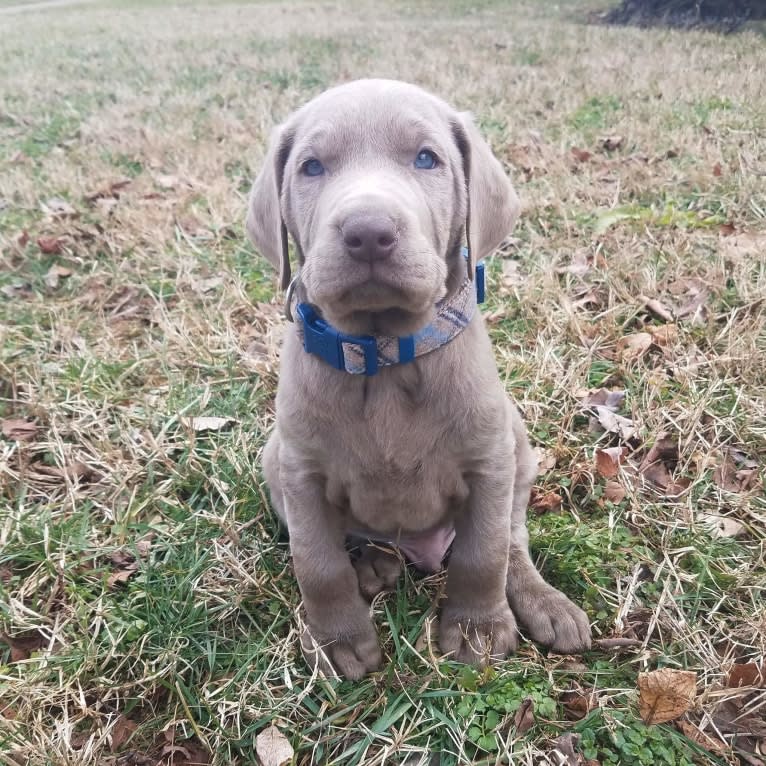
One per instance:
[(379, 184)]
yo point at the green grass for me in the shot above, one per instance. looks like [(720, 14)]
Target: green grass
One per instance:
[(151, 603)]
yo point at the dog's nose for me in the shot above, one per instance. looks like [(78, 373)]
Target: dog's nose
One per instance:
[(369, 236)]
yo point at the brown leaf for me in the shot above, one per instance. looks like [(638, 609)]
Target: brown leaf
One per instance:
[(544, 502), (565, 750), (611, 143), (75, 471), (614, 492), (122, 731), (23, 645), (616, 424), (273, 748), (658, 463), (121, 576), (19, 430), (663, 335), (717, 170), (634, 346), (657, 308), (577, 702), (665, 694), (55, 274), (50, 245), (733, 479), (207, 423), (23, 239), (581, 155), (747, 674), (524, 719), (112, 189), (721, 526), (730, 717), (618, 643), (712, 745), (602, 397), (608, 461), (727, 229), (546, 460)]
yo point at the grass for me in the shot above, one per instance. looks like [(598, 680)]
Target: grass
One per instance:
[(147, 605)]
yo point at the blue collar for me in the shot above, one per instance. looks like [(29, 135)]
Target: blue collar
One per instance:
[(365, 354)]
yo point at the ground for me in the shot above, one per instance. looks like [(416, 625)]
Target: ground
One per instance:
[(147, 604)]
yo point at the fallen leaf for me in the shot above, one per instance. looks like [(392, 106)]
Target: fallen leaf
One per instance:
[(122, 730), (703, 739), (612, 400), (23, 239), (273, 748), (76, 471), (581, 155), (665, 694), (19, 430), (747, 674), (111, 189), (207, 423), (544, 502), (658, 464), (23, 645), (524, 719), (206, 285), (577, 702), (50, 245), (121, 576), (616, 424), (611, 143), (663, 335), (614, 492), (55, 274), (721, 526), (658, 308), (727, 229), (730, 717), (546, 460), (634, 346), (618, 643), (729, 477), (717, 170), (564, 750), (58, 208), (608, 461)]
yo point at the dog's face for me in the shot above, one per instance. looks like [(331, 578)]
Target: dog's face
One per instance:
[(373, 181)]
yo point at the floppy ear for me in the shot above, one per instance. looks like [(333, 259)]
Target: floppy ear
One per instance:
[(265, 225), (493, 205)]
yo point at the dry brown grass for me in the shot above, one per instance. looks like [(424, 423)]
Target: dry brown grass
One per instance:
[(145, 592)]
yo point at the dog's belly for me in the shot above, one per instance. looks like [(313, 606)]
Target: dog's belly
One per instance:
[(410, 507)]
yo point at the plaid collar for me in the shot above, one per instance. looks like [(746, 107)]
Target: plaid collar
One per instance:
[(366, 354)]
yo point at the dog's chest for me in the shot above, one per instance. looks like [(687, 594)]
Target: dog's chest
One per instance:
[(397, 465)]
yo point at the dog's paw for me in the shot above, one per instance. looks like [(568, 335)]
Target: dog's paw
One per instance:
[(477, 639), (550, 618), (377, 570), (351, 655)]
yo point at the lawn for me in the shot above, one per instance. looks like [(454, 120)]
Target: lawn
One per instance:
[(147, 604)]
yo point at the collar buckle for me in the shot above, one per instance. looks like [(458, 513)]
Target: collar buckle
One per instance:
[(326, 342)]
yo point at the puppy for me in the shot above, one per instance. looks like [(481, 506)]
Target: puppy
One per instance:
[(392, 424)]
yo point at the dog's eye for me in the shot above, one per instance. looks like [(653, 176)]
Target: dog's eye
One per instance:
[(426, 160), (312, 167)]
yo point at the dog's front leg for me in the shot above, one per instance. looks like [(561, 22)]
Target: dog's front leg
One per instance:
[(476, 622), (339, 634)]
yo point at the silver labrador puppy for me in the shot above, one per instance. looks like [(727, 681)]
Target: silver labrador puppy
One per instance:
[(392, 423)]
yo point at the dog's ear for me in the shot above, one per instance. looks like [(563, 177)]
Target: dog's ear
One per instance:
[(265, 225), (493, 205)]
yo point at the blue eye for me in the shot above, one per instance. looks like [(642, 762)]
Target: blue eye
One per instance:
[(426, 160), (312, 168)]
